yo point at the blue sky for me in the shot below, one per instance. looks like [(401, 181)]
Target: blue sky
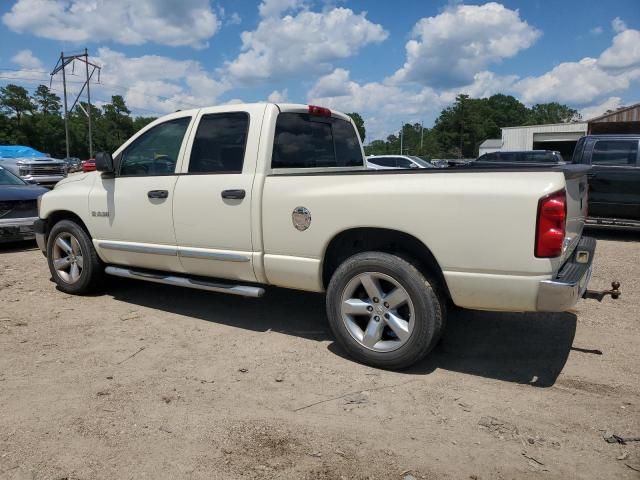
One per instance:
[(390, 61)]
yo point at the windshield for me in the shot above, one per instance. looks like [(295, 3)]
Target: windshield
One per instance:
[(8, 178), (420, 161)]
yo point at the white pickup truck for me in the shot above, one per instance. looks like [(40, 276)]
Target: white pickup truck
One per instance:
[(233, 198)]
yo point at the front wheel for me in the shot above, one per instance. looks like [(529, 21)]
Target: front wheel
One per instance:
[(73, 261), (383, 311)]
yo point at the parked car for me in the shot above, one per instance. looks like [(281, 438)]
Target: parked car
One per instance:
[(18, 207), (614, 179), (73, 164), (31, 165), (232, 198), (381, 162), (520, 158), (88, 165)]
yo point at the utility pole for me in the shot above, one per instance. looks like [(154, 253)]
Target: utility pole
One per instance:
[(63, 61), (401, 135), (421, 136)]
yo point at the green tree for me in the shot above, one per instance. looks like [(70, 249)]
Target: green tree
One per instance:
[(553, 112), (140, 122), (46, 102), (359, 121), (15, 101)]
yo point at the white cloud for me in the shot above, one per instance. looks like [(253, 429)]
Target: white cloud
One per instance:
[(281, 96), (270, 8), (624, 51), (448, 49), (157, 83), (304, 42), (589, 79), (611, 103), (25, 59), (596, 30), (185, 23), (618, 25)]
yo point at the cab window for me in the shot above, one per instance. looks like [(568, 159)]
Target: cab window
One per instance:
[(156, 151), (306, 141), (220, 143), (615, 152)]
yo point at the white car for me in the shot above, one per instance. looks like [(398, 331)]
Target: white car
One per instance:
[(385, 162), (233, 198)]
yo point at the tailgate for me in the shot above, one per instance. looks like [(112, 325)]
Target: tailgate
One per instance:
[(577, 193)]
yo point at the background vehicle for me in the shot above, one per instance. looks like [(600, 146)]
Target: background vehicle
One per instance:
[(614, 179), (88, 165), (520, 158), (279, 195), (73, 164), (31, 165), (377, 162), (18, 208)]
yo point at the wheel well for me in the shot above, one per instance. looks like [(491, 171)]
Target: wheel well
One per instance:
[(357, 240), (59, 215)]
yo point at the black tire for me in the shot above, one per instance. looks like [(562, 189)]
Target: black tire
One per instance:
[(92, 272), (429, 308)]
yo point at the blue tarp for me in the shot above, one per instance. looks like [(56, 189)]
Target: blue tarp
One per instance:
[(19, 151)]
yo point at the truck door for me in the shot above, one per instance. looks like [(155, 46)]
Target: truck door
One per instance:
[(131, 214), (614, 182), (212, 202)]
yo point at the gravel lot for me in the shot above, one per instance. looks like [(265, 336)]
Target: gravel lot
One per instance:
[(148, 381)]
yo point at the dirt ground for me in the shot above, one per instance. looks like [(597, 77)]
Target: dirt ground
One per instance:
[(149, 381)]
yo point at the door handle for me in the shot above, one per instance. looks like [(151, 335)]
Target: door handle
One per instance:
[(158, 193), (233, 194)]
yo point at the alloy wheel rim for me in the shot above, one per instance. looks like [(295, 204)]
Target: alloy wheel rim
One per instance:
[(68, 260), (377, 311)]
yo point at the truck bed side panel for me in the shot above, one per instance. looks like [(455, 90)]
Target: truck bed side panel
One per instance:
[(479, 227)]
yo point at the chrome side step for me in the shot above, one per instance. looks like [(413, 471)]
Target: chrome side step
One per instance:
[(168, 279)]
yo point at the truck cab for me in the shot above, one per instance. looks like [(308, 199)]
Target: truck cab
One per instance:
[(614, 178)]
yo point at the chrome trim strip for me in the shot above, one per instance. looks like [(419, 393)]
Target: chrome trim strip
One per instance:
[(18, 222), (242, 290), (139, 248), (211, 255)]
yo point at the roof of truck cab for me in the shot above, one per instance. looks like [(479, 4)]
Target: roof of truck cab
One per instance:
[(283, 107)]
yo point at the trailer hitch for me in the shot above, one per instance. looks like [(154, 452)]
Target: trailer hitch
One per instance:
[(600, 294)]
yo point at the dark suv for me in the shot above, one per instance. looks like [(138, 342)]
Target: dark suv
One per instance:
[(614, 179)]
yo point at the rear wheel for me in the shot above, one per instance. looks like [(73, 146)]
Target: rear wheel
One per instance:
[(383, 311), (73, 261)]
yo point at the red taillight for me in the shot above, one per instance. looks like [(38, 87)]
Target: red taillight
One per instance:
[(551, 225), (319, 111)]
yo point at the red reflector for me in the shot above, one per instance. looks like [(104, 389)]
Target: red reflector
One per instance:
[(319, 111), (551, 225)]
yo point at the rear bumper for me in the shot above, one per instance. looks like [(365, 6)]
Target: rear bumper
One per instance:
[(12, 229), (563, 292)]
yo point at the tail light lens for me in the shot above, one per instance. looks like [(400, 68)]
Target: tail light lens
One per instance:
[(551, 225), (319, 111)]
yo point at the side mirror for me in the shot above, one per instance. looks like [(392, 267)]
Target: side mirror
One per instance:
[(104, 162), (413, 165)]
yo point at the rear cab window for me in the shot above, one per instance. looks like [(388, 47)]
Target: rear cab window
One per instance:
[(309, 141), (615, 153)]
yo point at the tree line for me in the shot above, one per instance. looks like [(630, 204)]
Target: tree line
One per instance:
[(462, 127), (36, 120)]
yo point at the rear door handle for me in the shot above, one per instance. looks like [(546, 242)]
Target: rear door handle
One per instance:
[(234, 194), (158, 193)]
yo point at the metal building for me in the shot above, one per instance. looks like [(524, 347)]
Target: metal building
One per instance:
[(490, 145), (624, 120), (557, 136)]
